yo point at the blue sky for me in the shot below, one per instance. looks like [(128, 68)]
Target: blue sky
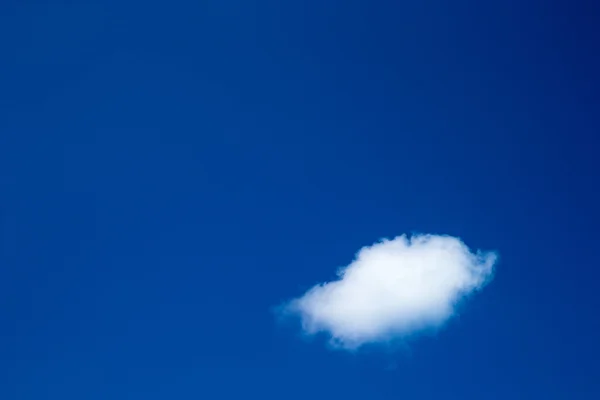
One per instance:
[(170, 172)]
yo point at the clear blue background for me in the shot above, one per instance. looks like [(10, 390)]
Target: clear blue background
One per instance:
[(172, 170)]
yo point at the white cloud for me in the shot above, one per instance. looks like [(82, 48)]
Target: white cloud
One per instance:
[(394, 288)]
